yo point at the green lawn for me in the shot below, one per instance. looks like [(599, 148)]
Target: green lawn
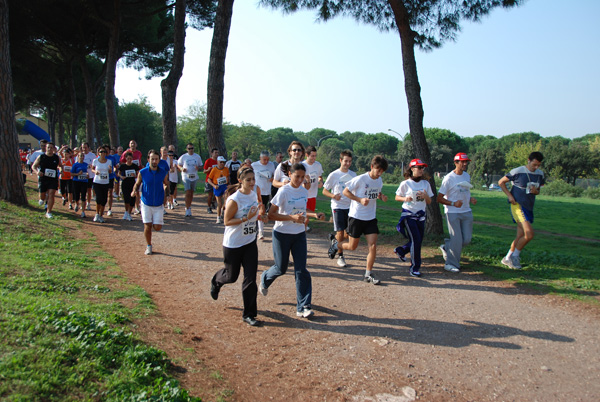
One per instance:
[(553, 261), (64, 331)]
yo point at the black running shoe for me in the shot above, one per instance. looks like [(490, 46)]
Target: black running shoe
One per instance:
[(214, 290), (333, 249)]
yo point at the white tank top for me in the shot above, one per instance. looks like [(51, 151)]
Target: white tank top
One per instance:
[(245, 233)]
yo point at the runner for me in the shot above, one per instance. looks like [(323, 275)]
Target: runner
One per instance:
[(364, 191), (314, 172), (88, 158), (137, 160), (47, 166), (288, 209), (208, 165), (455, 195), (173, 179), (112, 177), (263, 170), (340, 204), (79, 173), (101, 168), (154, 183), (188, 164), (415, 194), (296, 152), (175, 157), (247, 163), (128, 173), (233, 165), (117, 192), (32, 158), (239, 244), (526, 182), (218, 178), (66, 181)]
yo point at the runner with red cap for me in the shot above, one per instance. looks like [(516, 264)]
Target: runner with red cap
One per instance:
[(415, 194), (455, 195)]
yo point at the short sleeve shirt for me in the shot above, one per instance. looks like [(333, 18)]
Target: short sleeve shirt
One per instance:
[(411, 187), (313, 171), (336, 183), (191, 163), (239, 235), (290, 201), (522, 180), (103, 171), (263, 173), (364, 186), (456, 187), (219, 176)]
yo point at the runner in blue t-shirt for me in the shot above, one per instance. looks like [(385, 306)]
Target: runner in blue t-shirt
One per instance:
[(526, 182)]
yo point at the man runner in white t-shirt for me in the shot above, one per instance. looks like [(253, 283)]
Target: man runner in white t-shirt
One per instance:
[(364, 191), (189, 164), (340, 204), (455, 195)]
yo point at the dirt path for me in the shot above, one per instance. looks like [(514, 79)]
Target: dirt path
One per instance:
[(442, 337)]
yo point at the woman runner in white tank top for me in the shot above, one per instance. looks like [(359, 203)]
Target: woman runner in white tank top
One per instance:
[(239, 244)]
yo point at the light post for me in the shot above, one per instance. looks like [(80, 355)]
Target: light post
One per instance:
[(401, 139), (321, 139)]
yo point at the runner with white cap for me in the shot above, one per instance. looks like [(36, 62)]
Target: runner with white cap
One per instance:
[(455, 195)]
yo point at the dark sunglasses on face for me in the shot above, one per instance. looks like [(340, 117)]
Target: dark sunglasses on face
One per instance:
[(191, 148), (419, 167), (102, 152), (297, 150)]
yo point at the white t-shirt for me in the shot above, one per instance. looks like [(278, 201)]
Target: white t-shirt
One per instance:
[(262, 174), (34, 156), (173, 178), (336, 183), (290, 201), (89, 158), (411, 187), (245, 233), (456, 187), (364, 187), (278, 175), (103, 171), (191, 163), (313, 171)]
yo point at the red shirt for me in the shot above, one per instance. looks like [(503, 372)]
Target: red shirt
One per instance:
[(137, 156), (210, 163)]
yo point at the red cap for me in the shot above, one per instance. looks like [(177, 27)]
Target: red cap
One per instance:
[(461, 156), (417, 162)]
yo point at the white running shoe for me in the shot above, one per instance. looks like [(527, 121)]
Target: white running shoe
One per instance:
[(48, 215), (219, 219), (306, 312), (263, 291), (41, 202), (341, 262), (507, 262), (516, 261), (97, 218), (109, 213), (148, 250), (83, 214), (125, 216), (444, 254), (89, 208), (451, 268), (261, 235)]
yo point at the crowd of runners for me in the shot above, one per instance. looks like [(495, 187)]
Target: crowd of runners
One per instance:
[(246, 195)]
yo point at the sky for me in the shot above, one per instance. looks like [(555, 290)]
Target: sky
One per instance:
[(531, 68)]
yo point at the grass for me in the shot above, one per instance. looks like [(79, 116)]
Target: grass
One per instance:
[(64, 331), (557, 261)]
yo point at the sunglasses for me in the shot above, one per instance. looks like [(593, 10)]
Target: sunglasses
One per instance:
[(419, 167), (102, 152), (297, 150), (191, 148)]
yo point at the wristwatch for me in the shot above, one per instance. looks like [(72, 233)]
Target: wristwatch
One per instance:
[(452, 203), (244, 217)]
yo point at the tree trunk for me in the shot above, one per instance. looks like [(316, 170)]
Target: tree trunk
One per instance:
[(60, 122), (111, 68), (74, 108), (51, 117), (90, 103), (12, 188), (216, 76), (415, 107), (169, 85)]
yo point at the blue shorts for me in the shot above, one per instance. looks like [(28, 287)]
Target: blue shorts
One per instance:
[(340, 219), (219, 191), (520, 214)]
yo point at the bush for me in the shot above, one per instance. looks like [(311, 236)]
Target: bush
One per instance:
[(592, 192), (562, 188)]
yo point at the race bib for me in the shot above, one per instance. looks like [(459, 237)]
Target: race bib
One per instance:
[(530, 185), (136, 162), (373, 194), (221, 181), (103, 176), (249, 228), (266, 174), (191, 176), (67, 168), (83, 176), (234, 168), (130, 173), (50, 173), (313, 178)]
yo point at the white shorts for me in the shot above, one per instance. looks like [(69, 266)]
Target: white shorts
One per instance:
[(152, 215)]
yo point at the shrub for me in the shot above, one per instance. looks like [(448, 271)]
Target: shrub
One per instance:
[(592, 192), (562, 188)]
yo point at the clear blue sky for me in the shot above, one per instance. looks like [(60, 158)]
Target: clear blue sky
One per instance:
[(531, 68)]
